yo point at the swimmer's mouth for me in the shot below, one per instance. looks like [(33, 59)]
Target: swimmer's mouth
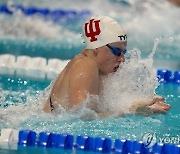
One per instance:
[(116, 68)]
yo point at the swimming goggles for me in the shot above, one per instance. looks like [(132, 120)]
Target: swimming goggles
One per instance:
[(116, 50)]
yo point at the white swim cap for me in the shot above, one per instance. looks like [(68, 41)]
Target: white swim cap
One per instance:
[(101, 30)]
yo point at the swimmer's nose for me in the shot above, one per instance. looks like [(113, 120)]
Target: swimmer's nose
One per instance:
[(121, 58)]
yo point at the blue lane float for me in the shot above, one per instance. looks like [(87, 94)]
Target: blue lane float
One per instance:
[(52, 140), (166, 76), (43, 11), (128, 146), (4, 9), (27, 138), (102, 145), (176, 78), (87, 143)]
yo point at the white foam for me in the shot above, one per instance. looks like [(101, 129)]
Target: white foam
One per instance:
[(19, 26)]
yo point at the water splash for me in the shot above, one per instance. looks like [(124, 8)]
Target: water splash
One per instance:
[(134, 81), (156, 42), (32, 28)]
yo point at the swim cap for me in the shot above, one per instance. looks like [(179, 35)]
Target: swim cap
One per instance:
[(101, 30)]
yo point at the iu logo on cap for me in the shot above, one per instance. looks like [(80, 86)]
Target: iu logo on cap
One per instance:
[(92, 29)]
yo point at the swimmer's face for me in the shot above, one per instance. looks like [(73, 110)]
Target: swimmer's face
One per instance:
[(109, 61)]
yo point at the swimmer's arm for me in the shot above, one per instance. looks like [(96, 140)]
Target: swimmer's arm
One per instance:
[(84, 80)]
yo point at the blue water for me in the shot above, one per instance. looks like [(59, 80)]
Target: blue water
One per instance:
[(40, 48), (131, 126), (34, 150), (20, 85)]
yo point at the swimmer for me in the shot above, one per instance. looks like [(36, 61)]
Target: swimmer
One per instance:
[(106, 43)]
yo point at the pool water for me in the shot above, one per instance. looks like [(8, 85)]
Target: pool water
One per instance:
[(30, 150), (27, 91)]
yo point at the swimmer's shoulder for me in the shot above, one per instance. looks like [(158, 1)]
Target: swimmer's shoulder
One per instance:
[(84, 76), (85, 64)]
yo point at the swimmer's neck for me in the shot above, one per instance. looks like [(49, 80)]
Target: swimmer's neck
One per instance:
[(93, 55), (88, 53)]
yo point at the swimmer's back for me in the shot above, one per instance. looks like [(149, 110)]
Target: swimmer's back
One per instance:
[(67, 90)]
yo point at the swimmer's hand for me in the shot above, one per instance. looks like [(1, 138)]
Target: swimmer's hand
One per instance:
[(159, 107), (148, 107), (156, 105)]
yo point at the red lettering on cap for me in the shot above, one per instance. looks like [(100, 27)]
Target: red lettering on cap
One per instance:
[(94, 29)]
